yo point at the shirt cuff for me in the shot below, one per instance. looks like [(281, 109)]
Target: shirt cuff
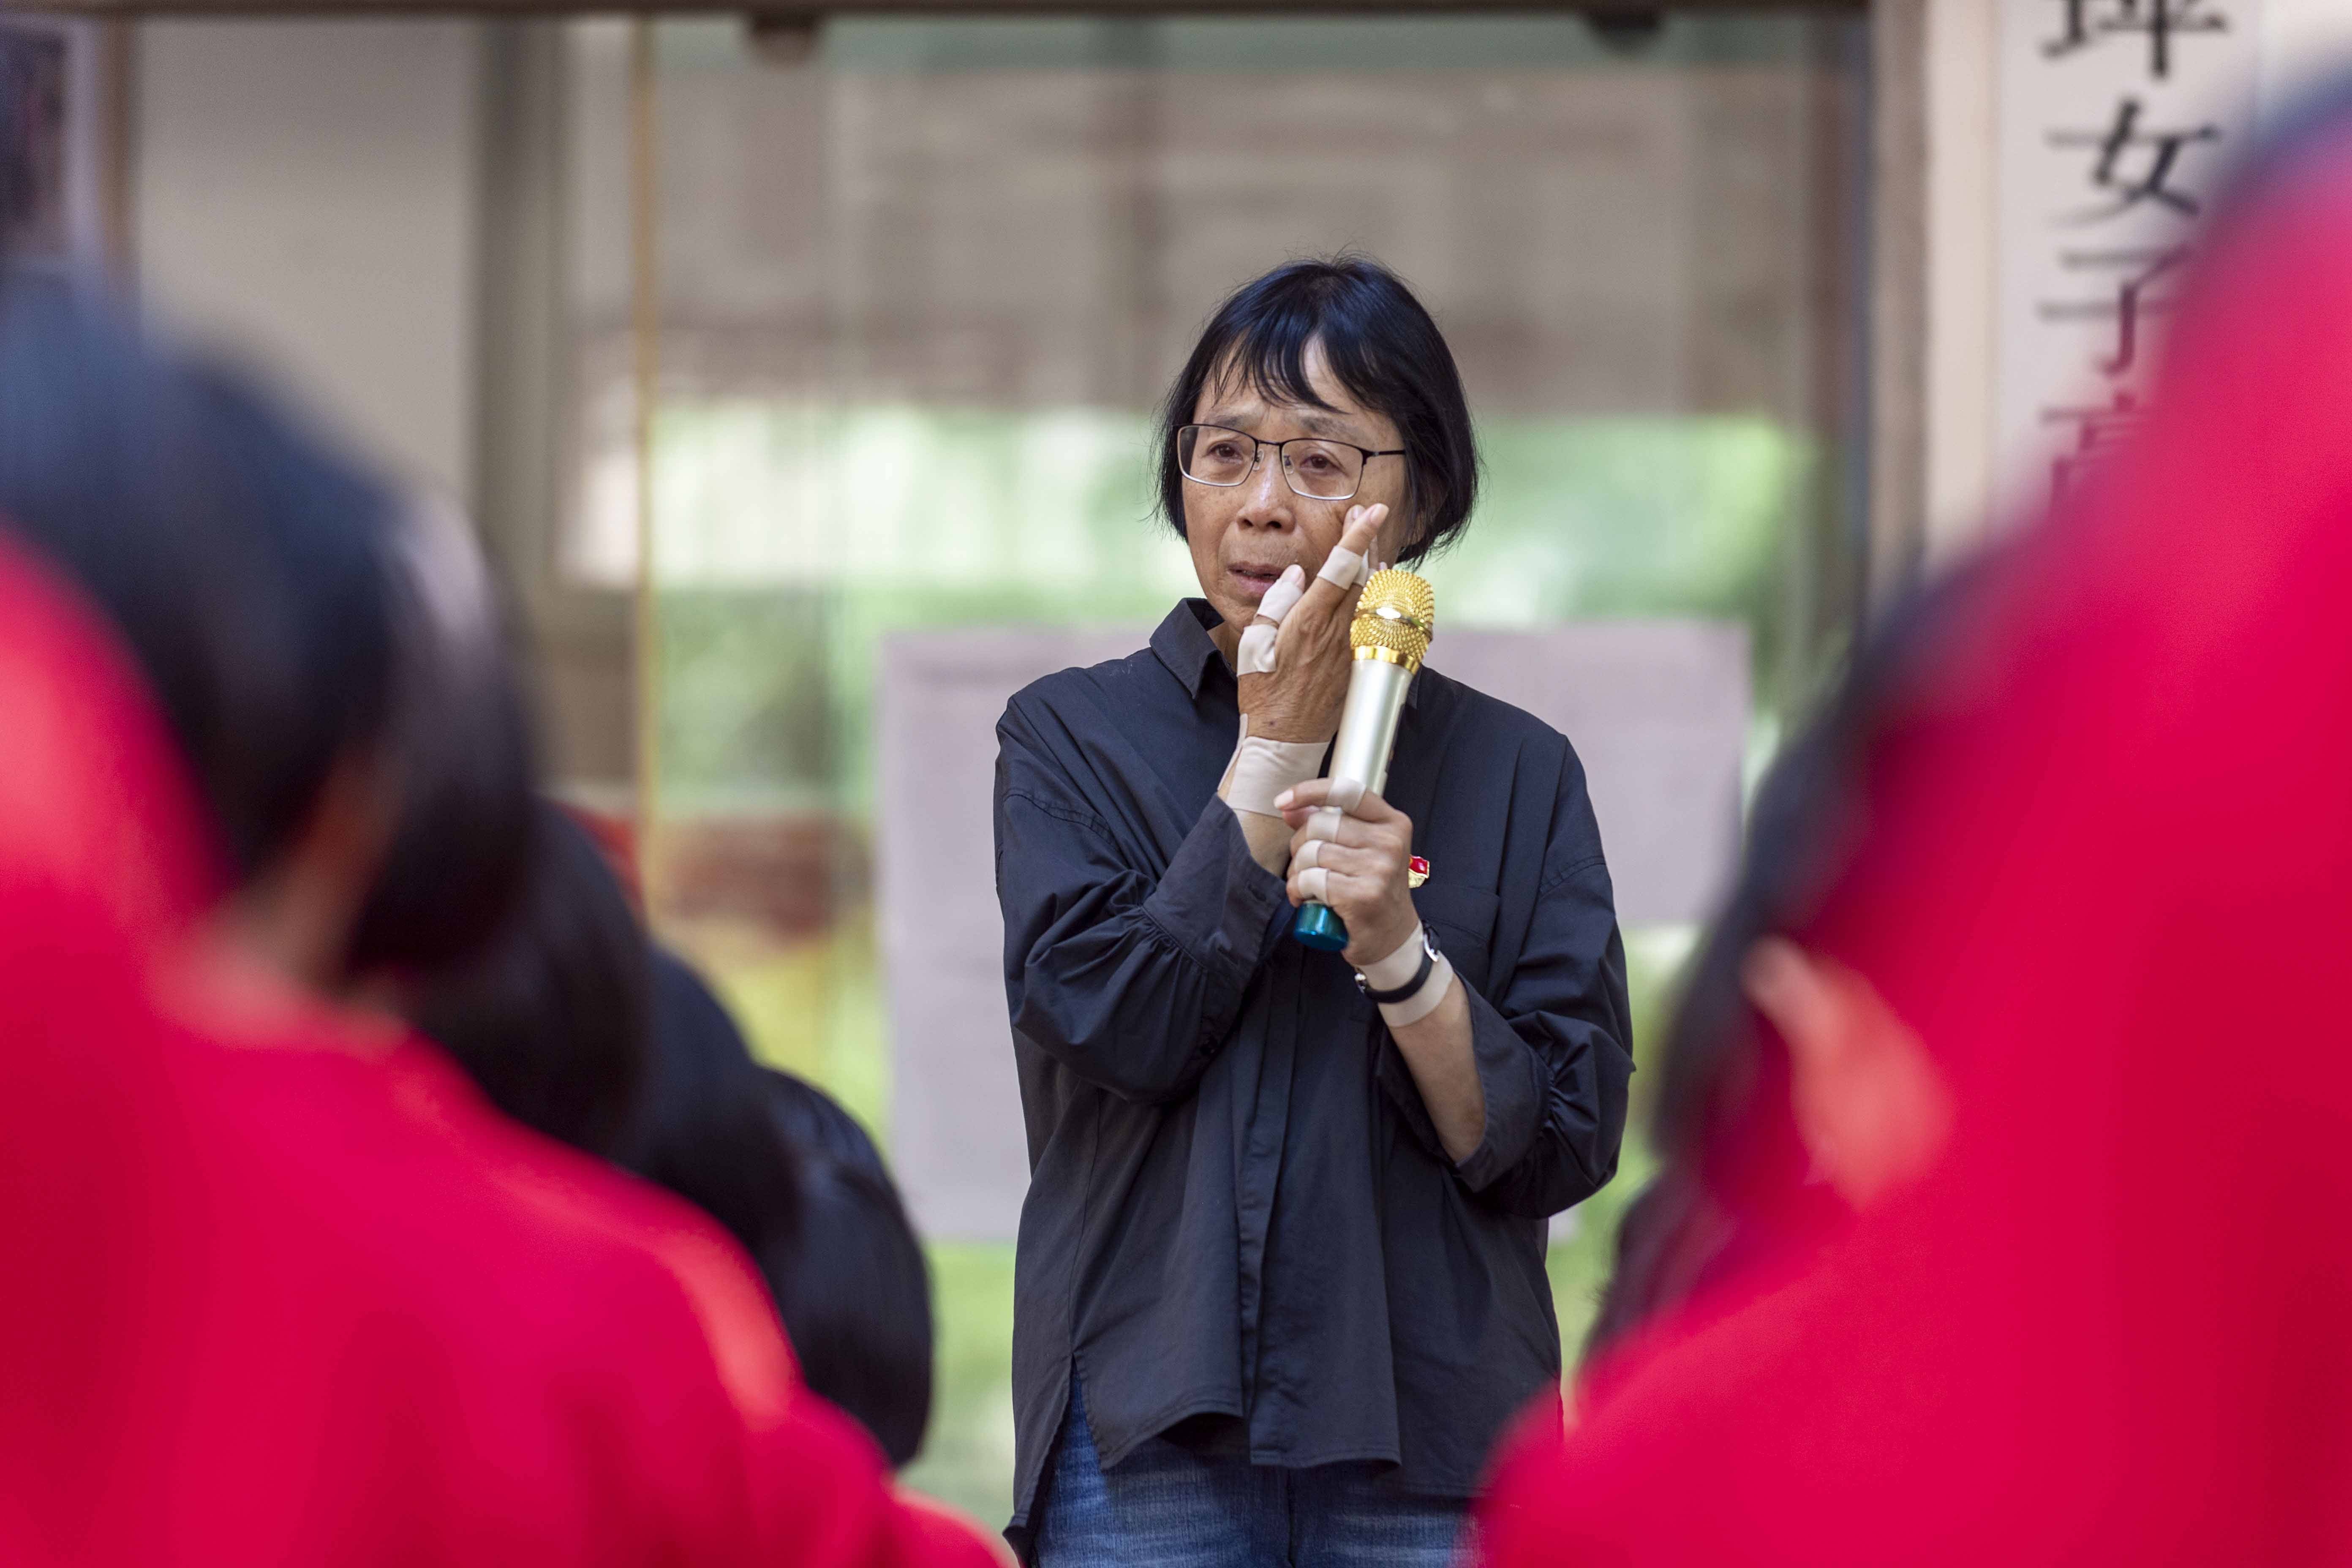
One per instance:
[(1512, 1081), (1214, 899)]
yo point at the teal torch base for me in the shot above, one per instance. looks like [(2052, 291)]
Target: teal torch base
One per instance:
[(1318, 927)]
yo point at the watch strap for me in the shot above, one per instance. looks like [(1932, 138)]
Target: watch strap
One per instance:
[(1420, 978), (1427, 1000)]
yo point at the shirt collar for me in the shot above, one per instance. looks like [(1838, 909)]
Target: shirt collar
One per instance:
[(1184, 645)]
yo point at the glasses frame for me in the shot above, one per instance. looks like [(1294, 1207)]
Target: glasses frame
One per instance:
[(1282, 455)]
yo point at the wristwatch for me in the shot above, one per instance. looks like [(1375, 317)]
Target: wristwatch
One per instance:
[(1419, 977)]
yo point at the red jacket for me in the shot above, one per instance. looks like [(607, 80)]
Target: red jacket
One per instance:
[(282, 1288), (2105, 870)]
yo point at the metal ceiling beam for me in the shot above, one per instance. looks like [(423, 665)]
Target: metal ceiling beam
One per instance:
[(1601, 8)]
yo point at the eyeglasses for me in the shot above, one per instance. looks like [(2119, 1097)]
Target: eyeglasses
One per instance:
[(1312, 466)]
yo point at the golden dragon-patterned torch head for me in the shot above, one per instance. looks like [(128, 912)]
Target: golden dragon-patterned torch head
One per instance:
[(1395, 619)]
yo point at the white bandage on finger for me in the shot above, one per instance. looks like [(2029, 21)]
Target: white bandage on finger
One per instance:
[(1316, 883), (1347, 793), (1309, 855), (1255, 654), (1423, 1002), (1261, 770), (1343, 567), (1323, 823)]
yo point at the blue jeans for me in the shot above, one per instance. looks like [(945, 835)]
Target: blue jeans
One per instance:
[(1168, 1506)]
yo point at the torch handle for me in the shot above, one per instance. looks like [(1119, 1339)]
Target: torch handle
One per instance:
[(1368, 727)]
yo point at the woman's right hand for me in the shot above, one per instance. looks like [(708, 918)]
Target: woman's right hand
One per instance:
[(1301, 697)]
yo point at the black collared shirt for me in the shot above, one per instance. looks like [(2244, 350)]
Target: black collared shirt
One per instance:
[(1238, 1207)]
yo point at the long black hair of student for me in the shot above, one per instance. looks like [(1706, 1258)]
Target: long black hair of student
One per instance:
[(459, 854), (794, 1177), (853, 1286), (552, 1017)]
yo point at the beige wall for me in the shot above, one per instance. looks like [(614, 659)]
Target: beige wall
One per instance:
[(305, 192), (372, 212)]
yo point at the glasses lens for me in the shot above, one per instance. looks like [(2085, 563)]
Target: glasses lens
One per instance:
[(1323, 470), (1214, 456)]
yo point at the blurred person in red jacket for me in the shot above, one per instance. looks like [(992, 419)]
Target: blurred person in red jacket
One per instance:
[(795, 1179), (571, 1003), (284, 1287), (1789, 1096), (793, 1176), (2096, 865)]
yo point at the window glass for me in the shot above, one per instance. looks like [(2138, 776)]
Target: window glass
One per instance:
[(922, 282)]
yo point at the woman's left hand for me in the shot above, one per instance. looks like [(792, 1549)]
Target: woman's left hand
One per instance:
[(1365, 859)]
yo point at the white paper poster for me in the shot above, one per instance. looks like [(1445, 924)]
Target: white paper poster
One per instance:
[(1658, 712)]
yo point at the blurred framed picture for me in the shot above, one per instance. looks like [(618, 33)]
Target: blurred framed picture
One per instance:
[(50, 203)]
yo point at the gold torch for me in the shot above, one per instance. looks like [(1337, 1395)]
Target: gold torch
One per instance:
[(1394, 620)]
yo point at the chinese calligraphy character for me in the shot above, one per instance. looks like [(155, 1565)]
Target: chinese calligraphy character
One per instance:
[(2097, 433), (2131, 304), (2162, 20), (2152, 181), (2076, 35)]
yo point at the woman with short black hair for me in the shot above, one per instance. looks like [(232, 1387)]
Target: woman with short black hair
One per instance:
[(1281, 1275)]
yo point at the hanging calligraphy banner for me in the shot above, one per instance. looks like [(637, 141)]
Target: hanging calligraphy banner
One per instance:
[(2118, 119)]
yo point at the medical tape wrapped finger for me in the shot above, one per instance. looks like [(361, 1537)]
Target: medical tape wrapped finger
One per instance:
[(1342, 798), (1343, 568), (1315, 884), (1323, 825), (1255, 656)]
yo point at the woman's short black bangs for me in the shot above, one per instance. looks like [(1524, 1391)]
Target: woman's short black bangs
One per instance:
[(1383, 348)]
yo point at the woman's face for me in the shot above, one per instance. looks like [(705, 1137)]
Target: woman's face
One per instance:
[(1242, 536)]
